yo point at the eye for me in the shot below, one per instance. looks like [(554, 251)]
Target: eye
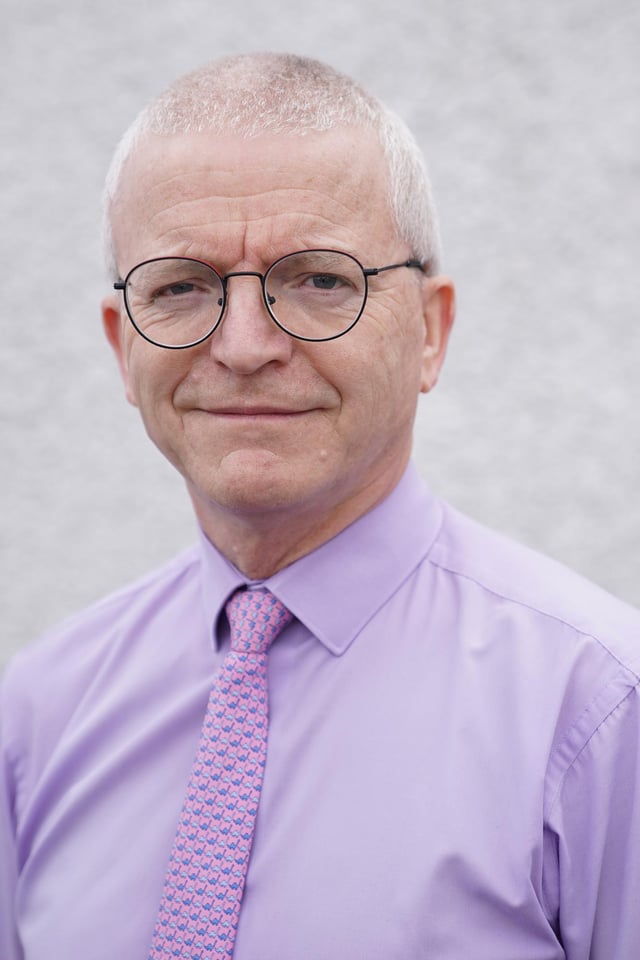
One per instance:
[(315, 280), (175, 289), (326, 281)]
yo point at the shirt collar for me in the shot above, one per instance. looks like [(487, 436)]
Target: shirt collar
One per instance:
[(336, 589)]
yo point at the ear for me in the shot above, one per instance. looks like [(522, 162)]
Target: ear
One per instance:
[(438, 307), (114, 325)]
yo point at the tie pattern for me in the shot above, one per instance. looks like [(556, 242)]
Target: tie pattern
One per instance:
[(198, 915)]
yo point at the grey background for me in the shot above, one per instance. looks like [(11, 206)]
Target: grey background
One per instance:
[(528, 114)]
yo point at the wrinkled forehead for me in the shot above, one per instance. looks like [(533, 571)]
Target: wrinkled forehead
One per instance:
[(354, 151), (341, 173)]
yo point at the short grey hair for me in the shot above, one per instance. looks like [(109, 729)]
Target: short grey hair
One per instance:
[(260, 93)]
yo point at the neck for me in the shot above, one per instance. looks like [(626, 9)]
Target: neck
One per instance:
[(261, 543)]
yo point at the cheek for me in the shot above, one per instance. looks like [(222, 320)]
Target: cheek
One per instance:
[(151, 384), (380, 387), (154, 373), (395, 362)]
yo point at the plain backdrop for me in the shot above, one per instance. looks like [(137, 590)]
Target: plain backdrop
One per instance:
[(528, 115)]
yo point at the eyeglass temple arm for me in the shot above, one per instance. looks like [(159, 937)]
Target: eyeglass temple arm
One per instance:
[(374, 271)]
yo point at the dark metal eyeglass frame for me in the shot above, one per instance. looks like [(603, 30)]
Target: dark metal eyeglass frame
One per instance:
[(366, 273)]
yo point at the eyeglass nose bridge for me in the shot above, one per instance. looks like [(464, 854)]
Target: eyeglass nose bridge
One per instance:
[(262, 277)]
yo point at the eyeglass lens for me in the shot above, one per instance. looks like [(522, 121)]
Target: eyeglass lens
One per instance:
[(314, 294)]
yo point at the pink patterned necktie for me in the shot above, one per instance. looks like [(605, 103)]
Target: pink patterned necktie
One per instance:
[(198, 915)]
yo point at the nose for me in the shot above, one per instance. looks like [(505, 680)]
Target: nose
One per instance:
[(247, 338)]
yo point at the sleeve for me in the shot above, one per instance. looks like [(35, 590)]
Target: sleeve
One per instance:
[(596, 822), (9, 945)]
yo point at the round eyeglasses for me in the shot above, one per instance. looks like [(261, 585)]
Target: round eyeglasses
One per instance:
[(177, 302)]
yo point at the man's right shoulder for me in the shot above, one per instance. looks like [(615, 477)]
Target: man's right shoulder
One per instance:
[(77, 645)]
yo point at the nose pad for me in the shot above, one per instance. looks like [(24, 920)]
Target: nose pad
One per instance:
[(248, 337), (243, 273), (265, 295)]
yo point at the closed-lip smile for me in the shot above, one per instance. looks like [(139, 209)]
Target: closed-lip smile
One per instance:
[(256, 411)]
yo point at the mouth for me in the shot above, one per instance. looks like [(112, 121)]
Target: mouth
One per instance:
[(239, 412)]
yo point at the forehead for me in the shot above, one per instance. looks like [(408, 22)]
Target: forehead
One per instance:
[(227, 196)]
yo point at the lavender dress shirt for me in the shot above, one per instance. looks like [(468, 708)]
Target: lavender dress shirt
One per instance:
[(453, 768)]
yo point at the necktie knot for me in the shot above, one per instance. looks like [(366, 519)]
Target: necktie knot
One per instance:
[(256, 618)]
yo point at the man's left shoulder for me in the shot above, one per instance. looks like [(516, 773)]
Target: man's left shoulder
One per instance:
[(538, 585)]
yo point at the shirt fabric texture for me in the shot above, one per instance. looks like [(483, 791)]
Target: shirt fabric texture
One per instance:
[(453, 767)]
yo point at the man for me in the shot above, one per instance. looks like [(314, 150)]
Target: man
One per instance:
[(453, 748)]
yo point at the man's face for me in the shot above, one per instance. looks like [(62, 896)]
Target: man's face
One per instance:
[(262, 425)]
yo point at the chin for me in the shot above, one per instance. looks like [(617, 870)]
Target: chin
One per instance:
[(254, 482)]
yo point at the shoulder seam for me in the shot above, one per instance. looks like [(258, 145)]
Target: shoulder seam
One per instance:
[(537, 610), (581, 749)]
